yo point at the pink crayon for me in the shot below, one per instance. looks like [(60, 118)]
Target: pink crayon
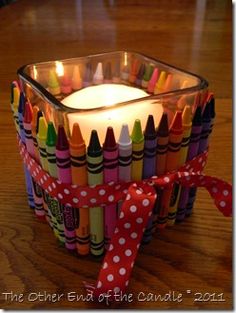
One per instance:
[(110, 162), (152, 81), (64, 175)]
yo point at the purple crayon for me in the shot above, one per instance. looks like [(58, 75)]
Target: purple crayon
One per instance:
[(37, 192), (140, 74), (64, 175), (207, 123), (125, 154), (110, 163), (192, 152), (149, 166)]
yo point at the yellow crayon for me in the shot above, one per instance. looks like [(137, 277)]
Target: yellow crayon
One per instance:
[(137, 138), (159, 87)]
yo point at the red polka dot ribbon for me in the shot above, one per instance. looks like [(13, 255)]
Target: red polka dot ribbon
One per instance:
[(136, 209)]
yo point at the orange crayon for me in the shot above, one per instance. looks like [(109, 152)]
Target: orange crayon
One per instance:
[(79, 177), (172, 163)]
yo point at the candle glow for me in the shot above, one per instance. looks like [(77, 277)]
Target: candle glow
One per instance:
[(106, 96)]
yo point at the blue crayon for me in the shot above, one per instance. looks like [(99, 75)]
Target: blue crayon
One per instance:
[(207, 124), (28, 180)]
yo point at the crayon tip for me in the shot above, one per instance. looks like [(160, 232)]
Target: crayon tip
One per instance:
[(163, 128), (88, 72), (21, 107), (62, 142), (148, 72), (51, 135), (52, 81), (99, 72), (110, 141), (141, 71), (124, 138), (94, 144), (43, 128), (76, 78), (177, 121), (150, 127), (28, 113), (76, 136), (137, 134), (152, 81), (39, 114), (168, 83), (197, 118), (187, 116)]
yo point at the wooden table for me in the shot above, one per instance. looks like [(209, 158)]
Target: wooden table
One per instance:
[(195, 257)]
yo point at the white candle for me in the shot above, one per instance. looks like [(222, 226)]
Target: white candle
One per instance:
[(107, 96)]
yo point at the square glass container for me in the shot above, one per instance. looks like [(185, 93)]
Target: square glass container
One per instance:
[(135, 86)]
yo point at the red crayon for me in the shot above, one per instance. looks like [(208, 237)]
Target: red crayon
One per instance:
[(110, 162), (64, 175)]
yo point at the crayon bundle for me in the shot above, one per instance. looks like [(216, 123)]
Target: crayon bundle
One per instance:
[(140, 153), (151, 144)]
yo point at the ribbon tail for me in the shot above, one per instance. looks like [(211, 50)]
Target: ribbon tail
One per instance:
[(120, 257)]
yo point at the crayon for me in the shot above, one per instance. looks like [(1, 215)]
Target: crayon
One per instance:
[(168, 83), (87, 79), (161, 153), (64, 175), (182, 101), (137, 151), (108, 74), (28, 180), (15, 97), (53, 83), (116, 74), (42, 129), (150, 142), (110, 163), (125, 154), (208, 116), (79, 178), (76, 81), (41, 138), (98, 75), (192, 152), (37, 194), (53, 204), (159, 87), (147, 75), (187, 125), (34, 125), (149, 167), (152, 81), (95, 177), (140, 74), (66, 84), (134, 70), (172, 163)]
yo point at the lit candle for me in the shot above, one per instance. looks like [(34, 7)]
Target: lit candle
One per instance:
[(105, 98)]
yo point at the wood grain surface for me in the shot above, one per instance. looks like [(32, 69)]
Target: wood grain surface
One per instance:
[(194, 257)]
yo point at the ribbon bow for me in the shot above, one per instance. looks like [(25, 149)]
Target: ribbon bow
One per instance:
[(136, 209)]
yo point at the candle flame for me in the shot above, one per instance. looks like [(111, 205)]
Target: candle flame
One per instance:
[(59, 68)]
